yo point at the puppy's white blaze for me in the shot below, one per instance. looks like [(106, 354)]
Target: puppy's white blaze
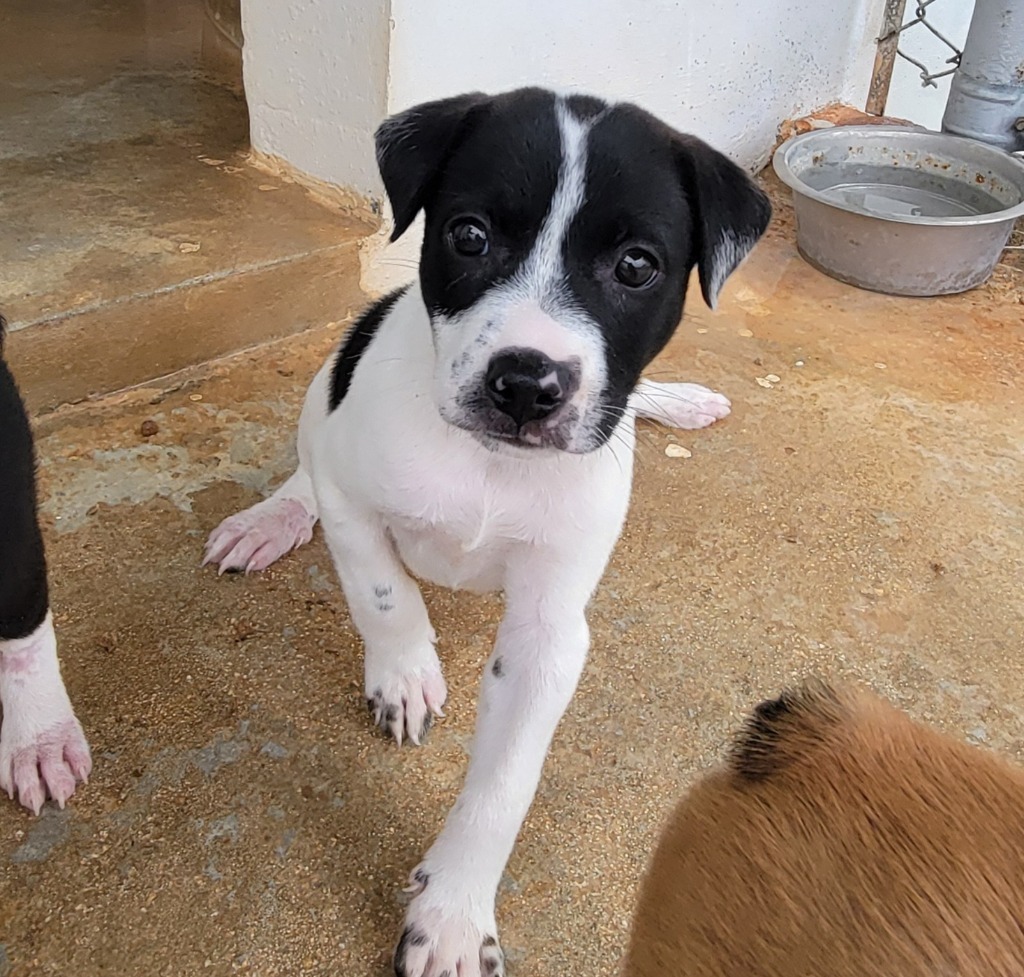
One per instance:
[(544, 270)]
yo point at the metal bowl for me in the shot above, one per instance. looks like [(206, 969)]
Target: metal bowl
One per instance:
[(902, 211)]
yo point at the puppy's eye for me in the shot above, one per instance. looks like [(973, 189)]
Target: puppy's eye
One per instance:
[(468, 237), (636, 268)]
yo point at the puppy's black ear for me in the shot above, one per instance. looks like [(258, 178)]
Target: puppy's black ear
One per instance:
[(412, 148), (730, 212)]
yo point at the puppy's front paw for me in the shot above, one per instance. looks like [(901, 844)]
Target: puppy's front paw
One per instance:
[(446, 940), (405, 696), (36, 763)]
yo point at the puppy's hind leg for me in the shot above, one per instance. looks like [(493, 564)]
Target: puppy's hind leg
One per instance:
[(256, 537), (683, 405)]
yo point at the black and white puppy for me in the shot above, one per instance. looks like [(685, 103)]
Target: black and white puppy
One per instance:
[(43, 751), (477, 430)]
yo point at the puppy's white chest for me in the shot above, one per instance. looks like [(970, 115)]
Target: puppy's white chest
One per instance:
[(455, 525)]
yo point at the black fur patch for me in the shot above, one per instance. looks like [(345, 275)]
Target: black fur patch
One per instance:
[(410, 937), (585, 107), (492, 966), (498, 668), (503, 165), (356, 342), (780, 729), (492, 959), (24, 595)]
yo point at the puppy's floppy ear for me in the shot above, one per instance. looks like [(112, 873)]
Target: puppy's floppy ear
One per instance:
[(412, 148), (730, 212)]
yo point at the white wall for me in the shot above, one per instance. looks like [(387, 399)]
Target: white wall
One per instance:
[(907, 98), (316, 84), (727, 70)]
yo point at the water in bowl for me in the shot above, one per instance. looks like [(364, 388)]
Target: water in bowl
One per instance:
[(905, 191), (891, 201)]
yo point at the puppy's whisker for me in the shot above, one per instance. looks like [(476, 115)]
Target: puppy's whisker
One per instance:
[(641, 434), (396, 359)]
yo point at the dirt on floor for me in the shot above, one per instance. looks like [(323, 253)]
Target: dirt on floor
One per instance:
[(861, 515)]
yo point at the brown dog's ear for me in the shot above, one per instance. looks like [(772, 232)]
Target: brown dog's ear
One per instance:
[(730, 212), (412, 148)]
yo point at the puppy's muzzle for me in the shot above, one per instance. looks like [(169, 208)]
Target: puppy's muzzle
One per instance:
[(528, 386)]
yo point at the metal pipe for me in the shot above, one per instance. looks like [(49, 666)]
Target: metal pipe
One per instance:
[(986, 96)]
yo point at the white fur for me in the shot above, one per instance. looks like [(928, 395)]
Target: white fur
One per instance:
[(399, 490), (397, 487), (544, 268), (43, 750)]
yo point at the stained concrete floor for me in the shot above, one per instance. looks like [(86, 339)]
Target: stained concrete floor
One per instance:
[(861, 517)]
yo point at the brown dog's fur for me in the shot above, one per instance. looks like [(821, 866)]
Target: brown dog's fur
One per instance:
[(842, 839)]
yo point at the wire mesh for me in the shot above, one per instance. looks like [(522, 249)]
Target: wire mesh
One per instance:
[(920, 21)]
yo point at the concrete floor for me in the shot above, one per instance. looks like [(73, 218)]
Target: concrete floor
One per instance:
[(861, 517)]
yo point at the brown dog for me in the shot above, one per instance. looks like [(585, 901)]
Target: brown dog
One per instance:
[(842, 839)]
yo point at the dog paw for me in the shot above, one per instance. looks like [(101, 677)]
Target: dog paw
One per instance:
[(446, 941), (681, 405), (255, 538), (405, 702), (46, 763)]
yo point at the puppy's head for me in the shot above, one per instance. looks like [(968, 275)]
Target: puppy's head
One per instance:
[(560, 234)]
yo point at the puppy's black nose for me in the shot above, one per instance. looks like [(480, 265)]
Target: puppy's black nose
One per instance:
[(525, 384)]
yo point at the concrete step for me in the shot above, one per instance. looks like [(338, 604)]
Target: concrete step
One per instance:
[(209, 258), (135, 237)]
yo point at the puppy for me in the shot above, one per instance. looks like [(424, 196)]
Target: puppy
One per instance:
[(841, 839), (42, 748), (476, 429)]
